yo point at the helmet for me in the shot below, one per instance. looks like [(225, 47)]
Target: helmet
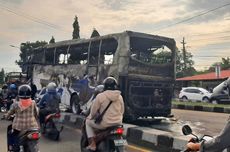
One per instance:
[(4, 86), (13, 86), (51, 87), (110, 83), (24, 91)]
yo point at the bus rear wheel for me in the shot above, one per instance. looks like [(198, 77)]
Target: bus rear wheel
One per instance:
[(75, 106)]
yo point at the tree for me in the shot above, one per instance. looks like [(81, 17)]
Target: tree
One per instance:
[(26, 51), (2, 76), (52, 40), (76, 29), (225, 63), (184, 64), (94, 33)]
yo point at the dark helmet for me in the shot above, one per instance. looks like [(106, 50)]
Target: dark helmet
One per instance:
[(110, 83), (24, 91), (4, 86)]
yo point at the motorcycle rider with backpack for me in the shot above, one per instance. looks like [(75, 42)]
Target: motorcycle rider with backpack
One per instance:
[(26, 113), (221, 141), (111, 100), (49, 102)]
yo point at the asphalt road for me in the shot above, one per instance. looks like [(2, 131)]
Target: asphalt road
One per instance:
[(201, 122), (69, 141), (210, 123)]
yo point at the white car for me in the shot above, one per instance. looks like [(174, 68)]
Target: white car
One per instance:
[(194, 94)]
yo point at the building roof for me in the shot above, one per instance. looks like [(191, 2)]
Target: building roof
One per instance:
[(208, 76)]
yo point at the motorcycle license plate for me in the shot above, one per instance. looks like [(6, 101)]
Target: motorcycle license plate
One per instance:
[(120, 142)]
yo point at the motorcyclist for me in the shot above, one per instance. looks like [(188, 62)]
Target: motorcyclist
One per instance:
[(26, 113), (11, 95), (114, 114), (49, 102), (220, 142)]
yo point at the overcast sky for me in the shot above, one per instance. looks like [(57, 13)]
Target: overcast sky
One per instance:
[(207, 36)]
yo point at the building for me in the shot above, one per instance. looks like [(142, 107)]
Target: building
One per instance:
[(207, 80)]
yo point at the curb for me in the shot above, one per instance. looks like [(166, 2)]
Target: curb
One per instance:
[(201, 108), (143, 136)]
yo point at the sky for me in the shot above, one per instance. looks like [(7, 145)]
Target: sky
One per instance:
[(205, 24)]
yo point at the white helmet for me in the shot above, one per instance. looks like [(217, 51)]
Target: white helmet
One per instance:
[(51, 87)]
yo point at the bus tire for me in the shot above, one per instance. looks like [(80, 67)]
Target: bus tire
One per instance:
[(74, 104)]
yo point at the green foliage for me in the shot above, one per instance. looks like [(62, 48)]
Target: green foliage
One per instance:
[(225, 63), (26, 52), (2, 76), (184, 68), (76, 29), (52, 40), (94, 33)]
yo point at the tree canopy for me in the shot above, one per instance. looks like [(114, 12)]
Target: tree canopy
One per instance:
[(2, 76), (76, 29), (94, 33), (26, 52), (184, 64), (52, 40)]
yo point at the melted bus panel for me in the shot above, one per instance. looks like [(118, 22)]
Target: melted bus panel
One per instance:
[(143, 64)]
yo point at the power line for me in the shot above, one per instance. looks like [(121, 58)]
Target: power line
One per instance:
[(220, 32), (195, 16), (221, 37), (32, 18), (210, 56)]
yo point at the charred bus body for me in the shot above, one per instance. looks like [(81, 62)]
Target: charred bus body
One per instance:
[(143, 64)]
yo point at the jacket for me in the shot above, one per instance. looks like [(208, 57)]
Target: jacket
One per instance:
[(114, 114), (26, 113), (219, 143), (50, 101)]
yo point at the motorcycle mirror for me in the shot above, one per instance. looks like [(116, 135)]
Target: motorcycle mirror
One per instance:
[(186, 129)]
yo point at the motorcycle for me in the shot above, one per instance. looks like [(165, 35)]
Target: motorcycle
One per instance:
[(52, 126), (186, 129), (24, 141), (109, 140)]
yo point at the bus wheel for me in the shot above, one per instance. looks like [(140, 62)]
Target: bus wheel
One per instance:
[(75, 106)]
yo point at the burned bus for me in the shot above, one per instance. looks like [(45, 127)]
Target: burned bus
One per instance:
[(143, 64)]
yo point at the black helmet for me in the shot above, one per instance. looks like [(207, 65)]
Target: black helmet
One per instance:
[(24, 91), (110, 83)]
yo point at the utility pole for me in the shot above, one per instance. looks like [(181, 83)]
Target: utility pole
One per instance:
[(184, 52)]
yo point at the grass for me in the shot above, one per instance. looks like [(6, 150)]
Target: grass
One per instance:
[(200, 104)]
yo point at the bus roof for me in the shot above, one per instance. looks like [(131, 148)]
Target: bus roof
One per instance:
[(130, 33)]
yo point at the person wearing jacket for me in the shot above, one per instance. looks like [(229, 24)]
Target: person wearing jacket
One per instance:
[(221, 141), (49, 102), (114, 114), (11, 95), (26, 113)]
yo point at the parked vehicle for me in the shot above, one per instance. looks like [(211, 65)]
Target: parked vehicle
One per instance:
[(194, 94), (186, 129), (26, 140), (221, 97), (52, 126)]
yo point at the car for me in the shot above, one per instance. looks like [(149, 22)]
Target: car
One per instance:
[(194, 94), (220, 97)]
